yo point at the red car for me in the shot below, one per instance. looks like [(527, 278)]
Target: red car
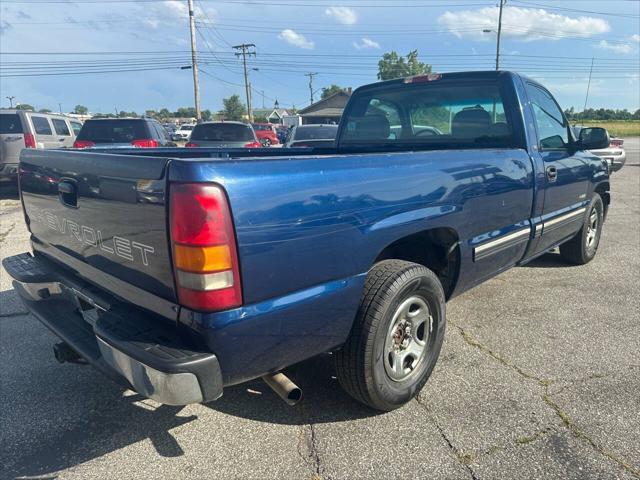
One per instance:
[(266, 133)]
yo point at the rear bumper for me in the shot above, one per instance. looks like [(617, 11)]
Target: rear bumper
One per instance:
[(134, 348), (615, 158)]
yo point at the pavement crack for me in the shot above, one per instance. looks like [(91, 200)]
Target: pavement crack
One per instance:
[(465, 459), (5, 234), (570, 425), (310, 455), (567, 421), (13, 314)]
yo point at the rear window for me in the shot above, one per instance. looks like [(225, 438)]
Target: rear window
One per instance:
[(439, 115), (186, 127), (222, 132), (10, 123), (77, 126), (60, 126), (41, 125), (327, 132), (262, 127), (113, 131)]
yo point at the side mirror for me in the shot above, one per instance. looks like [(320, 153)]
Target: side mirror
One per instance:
[(593, 138)]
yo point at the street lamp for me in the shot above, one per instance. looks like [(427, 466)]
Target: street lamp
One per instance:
[(10, 98)]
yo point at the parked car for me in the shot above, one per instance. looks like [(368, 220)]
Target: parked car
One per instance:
[(614, 153), (26, 129), (183, 132), (312, 136), (266, 133), (122, 133), (170, 128), (223, 135), (241, 262)]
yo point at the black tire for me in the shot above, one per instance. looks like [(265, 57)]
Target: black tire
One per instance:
[(265, 142), (360, 364), (581, 249)]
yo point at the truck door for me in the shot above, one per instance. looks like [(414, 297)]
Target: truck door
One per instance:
[(566, 172)]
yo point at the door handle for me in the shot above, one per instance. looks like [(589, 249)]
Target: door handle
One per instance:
[(552, 174)]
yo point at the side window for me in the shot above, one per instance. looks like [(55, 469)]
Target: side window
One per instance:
[(552, 127), (41, 125), (76, 126), (60, 126), (381, 121)]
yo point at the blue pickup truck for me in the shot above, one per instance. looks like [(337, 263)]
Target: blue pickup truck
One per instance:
[(178, 272)]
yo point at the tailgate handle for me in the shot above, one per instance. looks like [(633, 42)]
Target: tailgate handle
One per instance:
[(68, 193)]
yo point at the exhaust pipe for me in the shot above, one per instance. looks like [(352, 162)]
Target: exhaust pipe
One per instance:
[(284, 387)]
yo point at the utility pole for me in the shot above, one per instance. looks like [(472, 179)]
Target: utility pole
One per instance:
[(60, 108), (311, 75), (588, 86), (262, 99), (502, 2), (10, 98), (194, 61), (244, 51)]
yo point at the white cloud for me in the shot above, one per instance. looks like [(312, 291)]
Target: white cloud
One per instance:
[(635, 38), (615, 47), (295, 39), (365, 44), (167, 12), (344, 15), (524, 24)]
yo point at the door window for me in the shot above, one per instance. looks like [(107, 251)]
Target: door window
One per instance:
[(552, 127), (60, 126), (41, 125)]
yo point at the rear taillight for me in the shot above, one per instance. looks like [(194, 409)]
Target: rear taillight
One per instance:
[(616, 142), (83, 144), (191, 145), (204, 247), (29, 140), (145, 143), (253, 145)]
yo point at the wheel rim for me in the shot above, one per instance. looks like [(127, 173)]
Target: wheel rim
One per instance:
[(592, 228), (407, 340)]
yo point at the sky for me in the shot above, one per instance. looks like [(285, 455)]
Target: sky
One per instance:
[(127, 54)]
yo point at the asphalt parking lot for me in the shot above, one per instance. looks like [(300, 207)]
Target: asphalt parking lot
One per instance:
[(539, 377)]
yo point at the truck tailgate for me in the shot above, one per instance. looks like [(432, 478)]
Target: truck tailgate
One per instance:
[(104, 210)]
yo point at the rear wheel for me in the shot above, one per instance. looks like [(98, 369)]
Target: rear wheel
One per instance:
[(583, 247), (396, 337), (265, 142)]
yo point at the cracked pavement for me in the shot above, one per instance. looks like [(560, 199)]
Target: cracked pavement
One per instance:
[(538, 378)]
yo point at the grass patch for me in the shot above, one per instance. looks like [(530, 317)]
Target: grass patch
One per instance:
[(616, 128)]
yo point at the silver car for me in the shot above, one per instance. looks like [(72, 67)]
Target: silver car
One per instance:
[(614, 154), (223, 135), (26, 129)]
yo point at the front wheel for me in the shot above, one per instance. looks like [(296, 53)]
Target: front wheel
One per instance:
[(396, 338), (582, 248)]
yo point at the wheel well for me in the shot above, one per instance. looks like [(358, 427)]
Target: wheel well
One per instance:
[(437, 249), (602, 189)]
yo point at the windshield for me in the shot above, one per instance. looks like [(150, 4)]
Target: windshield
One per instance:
[(442, 115), (324, 132), (113, 131), (223, 132), (10, 123)]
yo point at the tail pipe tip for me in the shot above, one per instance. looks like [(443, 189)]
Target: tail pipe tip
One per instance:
[(284, 387)]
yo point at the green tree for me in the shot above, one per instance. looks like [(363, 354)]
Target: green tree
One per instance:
[(24, 106), (328, 91), (124, 114), (234, 109), (165, 113), (151, 113), (393, 66), (81, 110), (186, 112), (44, 110), (206, 115)]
